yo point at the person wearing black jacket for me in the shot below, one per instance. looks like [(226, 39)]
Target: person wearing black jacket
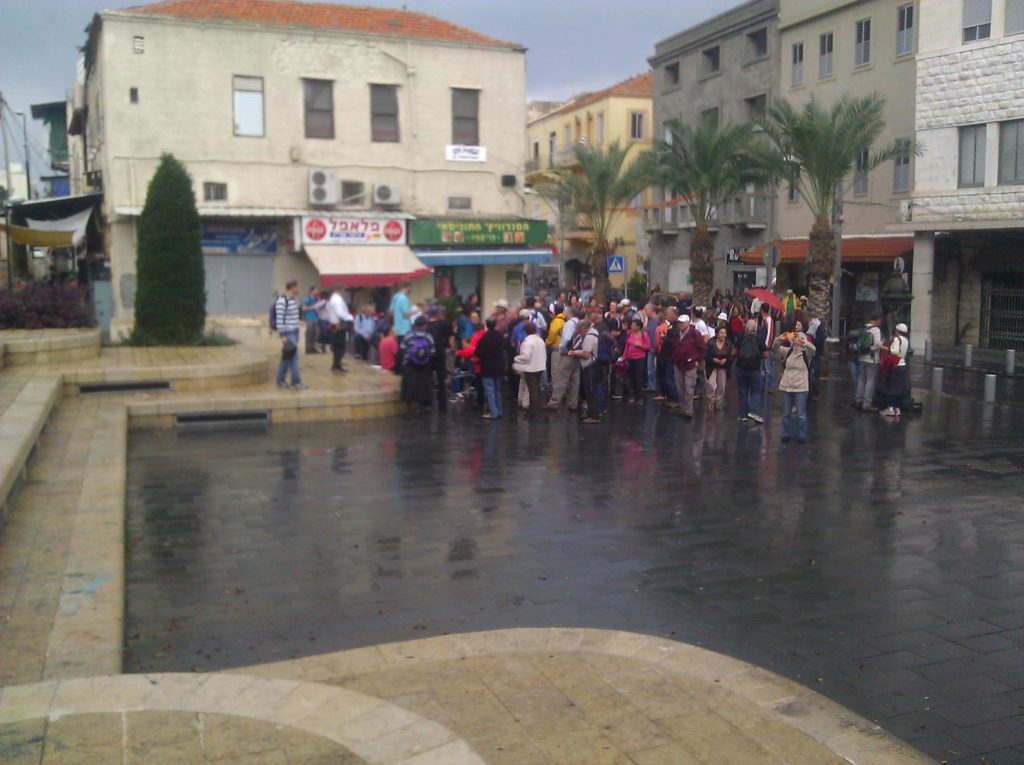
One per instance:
[(490, 353), (441, 330)]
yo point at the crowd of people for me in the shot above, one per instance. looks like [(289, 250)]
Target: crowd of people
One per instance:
[(555, 351)]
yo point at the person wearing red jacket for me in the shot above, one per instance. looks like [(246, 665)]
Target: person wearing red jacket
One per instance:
[(468, 352), (687, 352)]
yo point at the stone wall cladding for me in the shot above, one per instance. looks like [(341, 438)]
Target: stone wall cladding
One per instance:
[(1005, 203), (972, 85)]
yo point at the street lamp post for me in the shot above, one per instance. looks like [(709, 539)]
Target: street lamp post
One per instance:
[(28, 168)]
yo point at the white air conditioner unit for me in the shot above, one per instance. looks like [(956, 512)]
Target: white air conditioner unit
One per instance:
[(323, 187), (387, 195)]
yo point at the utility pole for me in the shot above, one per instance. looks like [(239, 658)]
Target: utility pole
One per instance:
[(837, 266), (6, 204), (28, 169)]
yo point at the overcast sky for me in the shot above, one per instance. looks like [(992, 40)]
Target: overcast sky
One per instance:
[(573, 45)]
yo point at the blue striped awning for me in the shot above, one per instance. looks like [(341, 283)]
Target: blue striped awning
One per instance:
[(493, 257)]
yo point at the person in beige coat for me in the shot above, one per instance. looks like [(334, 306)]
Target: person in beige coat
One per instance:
[(794, 352), (531, 363)]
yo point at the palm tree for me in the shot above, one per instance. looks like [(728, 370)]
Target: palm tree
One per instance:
[(708, 165), (598, 191), (816, 149)]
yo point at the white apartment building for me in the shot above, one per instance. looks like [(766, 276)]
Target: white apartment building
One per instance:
[(315, 134), (968, 203)]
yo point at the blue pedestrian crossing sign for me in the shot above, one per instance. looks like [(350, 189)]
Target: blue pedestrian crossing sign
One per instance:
[(616, 264)]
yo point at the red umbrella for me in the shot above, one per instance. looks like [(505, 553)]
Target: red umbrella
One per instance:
[(766, 296)]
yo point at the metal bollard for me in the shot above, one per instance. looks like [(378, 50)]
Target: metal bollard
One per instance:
[(937, 379), (1011, 362), (927, 351), (990, 389), (968, 353)]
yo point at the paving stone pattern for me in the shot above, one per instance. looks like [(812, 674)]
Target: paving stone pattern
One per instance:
[(881, 564)]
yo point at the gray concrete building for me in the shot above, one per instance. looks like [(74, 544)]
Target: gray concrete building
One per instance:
[(725, 70)]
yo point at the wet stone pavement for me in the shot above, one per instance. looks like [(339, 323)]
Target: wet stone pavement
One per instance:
[(882, 564)]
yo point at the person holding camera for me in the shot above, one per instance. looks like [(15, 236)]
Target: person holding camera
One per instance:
[(794, 353)]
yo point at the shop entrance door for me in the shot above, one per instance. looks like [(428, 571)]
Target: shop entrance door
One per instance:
[(1002, 311)]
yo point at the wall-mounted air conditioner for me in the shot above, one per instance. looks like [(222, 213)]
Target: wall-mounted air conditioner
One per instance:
[(323, 187), (387, 195)]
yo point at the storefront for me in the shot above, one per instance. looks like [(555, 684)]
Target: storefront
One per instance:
[(364, 255), (868, 264), (238, 256), (482, 257)]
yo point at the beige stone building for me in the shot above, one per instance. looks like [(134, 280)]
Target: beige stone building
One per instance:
[(852, 47), (314, 135), (621, 112)]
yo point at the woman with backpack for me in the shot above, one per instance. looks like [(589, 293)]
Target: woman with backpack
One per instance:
[(794, 354), (417, 354)]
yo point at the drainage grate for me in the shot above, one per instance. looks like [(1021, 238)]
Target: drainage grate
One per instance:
[(136, 386), (222, 418)]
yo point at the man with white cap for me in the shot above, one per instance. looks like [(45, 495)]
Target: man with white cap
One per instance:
[(687, 351), (501, 318)]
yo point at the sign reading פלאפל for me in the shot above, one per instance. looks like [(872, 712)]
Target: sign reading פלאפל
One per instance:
[(465, 153), (343, 230)]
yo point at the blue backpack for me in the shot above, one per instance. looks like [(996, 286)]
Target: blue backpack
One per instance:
[(273, 316)]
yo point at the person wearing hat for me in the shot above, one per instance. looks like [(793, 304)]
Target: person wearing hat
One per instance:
[(502, 320), (897, 382), (417, 368), (687, 351)]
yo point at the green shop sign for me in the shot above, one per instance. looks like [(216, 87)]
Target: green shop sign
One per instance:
[(476, 233)]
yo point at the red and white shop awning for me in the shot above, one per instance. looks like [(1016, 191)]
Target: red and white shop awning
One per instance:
[(357, 267)]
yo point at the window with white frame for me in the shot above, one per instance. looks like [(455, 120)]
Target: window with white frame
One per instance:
[(860, 174), (535, 155), (552, 140), (636, 125), (825, 46), (977, 20), (901, 166), (248, 105), (862, 43), (798, 64), (793, 192), (1011, 153), (215, 192), (971, 171), (1014, 17), (905, 29), (600, 128)]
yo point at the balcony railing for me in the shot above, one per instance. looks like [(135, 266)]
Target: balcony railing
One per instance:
[(748, 209)]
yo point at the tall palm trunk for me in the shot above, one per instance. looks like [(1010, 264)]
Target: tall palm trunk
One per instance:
[(820, 267), (599, 273), (702, 266)]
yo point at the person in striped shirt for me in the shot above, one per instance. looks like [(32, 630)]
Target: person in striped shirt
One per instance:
[(286, 313)]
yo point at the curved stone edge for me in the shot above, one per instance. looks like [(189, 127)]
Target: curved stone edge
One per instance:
[(374, 729), (845, 733), (52, 346)]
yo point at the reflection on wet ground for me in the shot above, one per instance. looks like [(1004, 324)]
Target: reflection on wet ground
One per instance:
[(881, 564)]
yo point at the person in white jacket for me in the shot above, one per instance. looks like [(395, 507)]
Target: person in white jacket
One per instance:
[(531, 363)]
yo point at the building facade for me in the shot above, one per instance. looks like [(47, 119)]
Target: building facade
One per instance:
[(619, 113), (968, 204), (830, 50), (725, 71), (314, 135)]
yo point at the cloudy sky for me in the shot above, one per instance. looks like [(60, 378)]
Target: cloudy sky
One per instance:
[(573, 45)]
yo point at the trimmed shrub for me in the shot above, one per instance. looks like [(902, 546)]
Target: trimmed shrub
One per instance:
[(45, 306), (170, 301)]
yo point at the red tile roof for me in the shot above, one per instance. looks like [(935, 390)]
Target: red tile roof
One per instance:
[(349, 18), (855, 248), (640, 86)]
